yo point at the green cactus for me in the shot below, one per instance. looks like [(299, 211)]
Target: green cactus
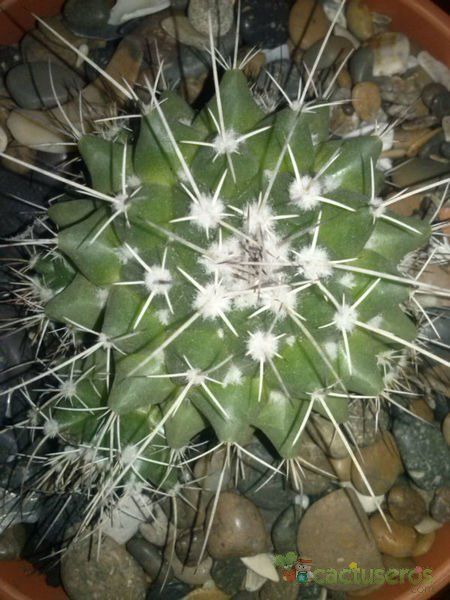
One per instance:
[(228, 271)]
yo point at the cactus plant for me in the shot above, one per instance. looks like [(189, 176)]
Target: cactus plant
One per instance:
[(226, 271)]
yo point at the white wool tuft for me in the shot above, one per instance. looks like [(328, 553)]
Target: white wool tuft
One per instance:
[(305, 192), (195, 376), (314, 263), (347, 280), (129, 454), (262, 346), (226, 142), (212, 301), (377, 207), (345, 318), (51, 428), (158, 280), (233, 376), (120, 203), (207, 212), (258, 218)]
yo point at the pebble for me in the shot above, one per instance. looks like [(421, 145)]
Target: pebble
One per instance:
[(335, 531), (12, 541), (253, 582), (420, 408), (197, 575), (430, 92), (206, 594), (179, 27), (317, 476), (284, 530), (262, 565), (440, 505), (395, 562), (222, 16), (411, 142), (229, 574), (391, 51), (398, 541), (424, 543), (406, 505), (342, 467), (381, 464), (37, 85), (344, 79), (169, 590), (446, 429), (308, 23), (440, 105), (189, 546), (361, 64), (237, 529), (337, 49), (279, 591), (365, 420), (148, 556), (424, 452), (113, 574), (264, 23), (427, 525), (36, 131), (125, 10), (366, 100), (89, 18), (359, 20), (435, 69), (208, 471), (324, 434)]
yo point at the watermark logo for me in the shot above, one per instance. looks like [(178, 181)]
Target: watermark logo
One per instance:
[(293, 567)]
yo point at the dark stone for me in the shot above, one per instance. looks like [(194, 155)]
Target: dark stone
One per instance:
[(148, 556), (433, 146), (101, 57), (361, 65), (424, 452), (11, 542), (171, 590), (445, 149), (89, 18), (430, 92), (41, 85), (284, 530), (228, 574), (440, 505), (286, 74), (264, 23), (440, 105)]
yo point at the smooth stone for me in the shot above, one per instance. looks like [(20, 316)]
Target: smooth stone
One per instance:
[(206, 593), (36, 132), (169, 590), (158, 530), (208, 471), (366, 100), (317, 474), (262, 565), (279, 591), (334, 532), (361, 64), (440, 105), (446, 429), (254, 66), (190, 508), (197, 575), (440, 505), (246, 595), (148, 556), (253, 582), (435, 68), (110, 575), (424, 452), (222, 16), (424, 543), (342, 467), (381, 464), (122, 521), (180, 29), (416, 171), (446, 128), (229, 574), (427, 525), (369, 504), (264, 23), (366, 421), (308, 23), (444, 149), (20, 152), (189, 546), (42, 85), (337, 50), (399, 541), (391, 51), (268, 490), (344, 79), (420, 408), (89, 18), (3, 139), (101, 57), (359, 20), (430, 92), (324, 434), (12, 541), (237, 528), (125, 10), (406, 505), (284, 530), (396, 562)]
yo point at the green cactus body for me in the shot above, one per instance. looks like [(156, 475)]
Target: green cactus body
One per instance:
[(230, 270)]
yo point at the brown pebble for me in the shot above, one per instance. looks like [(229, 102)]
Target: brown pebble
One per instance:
[(446, 428), (366, 100), (307, 23), (344, 80), (421, 409), (397, 562), (423, 543), (281, 590), (253, 67), (359, 20), (406, 505), (342, 467), (237, 529), (189, 546), (399, 541), (20, 152), (381, 464), (206, 594), (440, 505)]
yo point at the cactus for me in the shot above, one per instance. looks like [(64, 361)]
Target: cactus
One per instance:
[(226, 271)]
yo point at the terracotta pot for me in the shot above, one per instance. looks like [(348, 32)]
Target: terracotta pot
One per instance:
[(429, 26)]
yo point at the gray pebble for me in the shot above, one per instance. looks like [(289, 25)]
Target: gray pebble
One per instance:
[(229, 574), (361, 65)]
